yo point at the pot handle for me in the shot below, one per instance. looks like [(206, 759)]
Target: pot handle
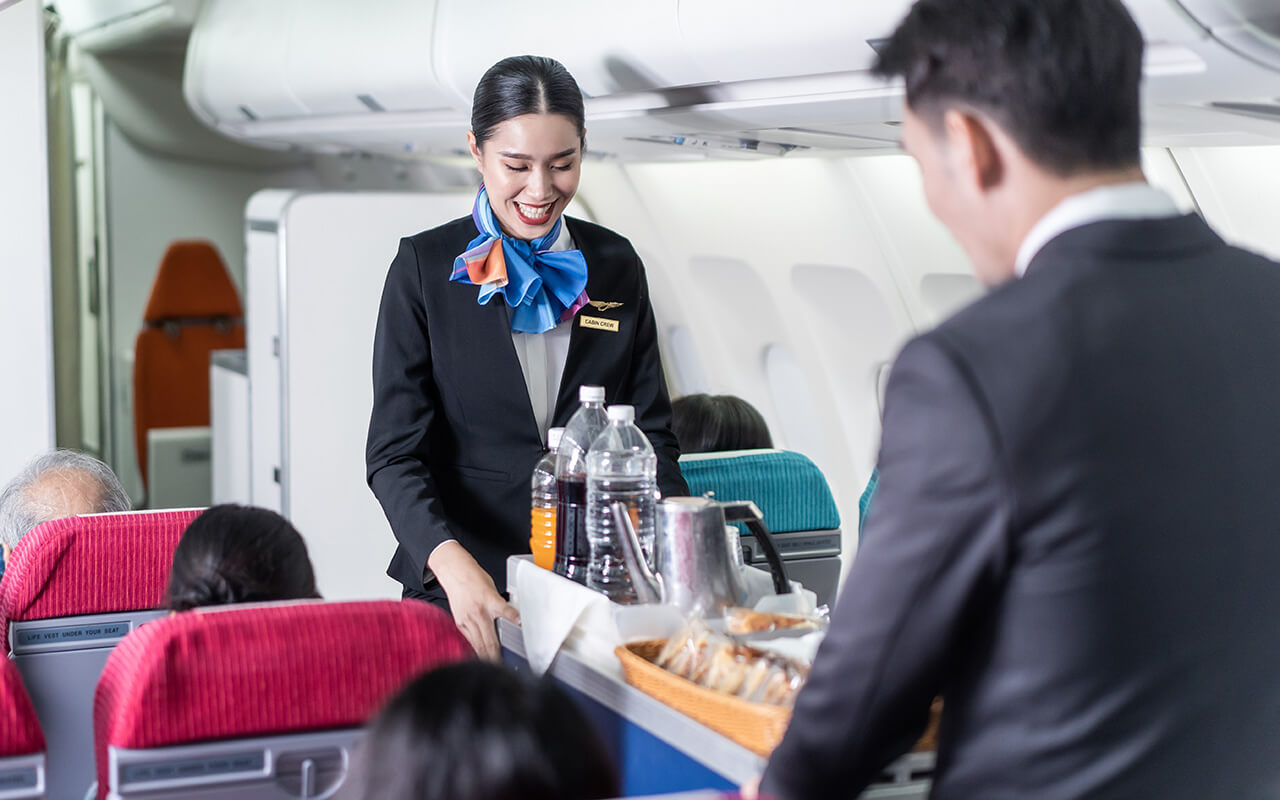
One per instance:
[(748, 512), (648, 586)]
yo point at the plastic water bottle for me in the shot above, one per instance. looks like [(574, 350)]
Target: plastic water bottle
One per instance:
[(621, 467), (572, 548), (542, 508)]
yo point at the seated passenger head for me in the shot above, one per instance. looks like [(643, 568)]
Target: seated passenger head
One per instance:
[(527, 138), (239, 554), (706, 423), (1012, 105), (62, 483), (479, 731)]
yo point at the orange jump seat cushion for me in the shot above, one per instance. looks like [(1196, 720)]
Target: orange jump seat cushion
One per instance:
[(194, 309)]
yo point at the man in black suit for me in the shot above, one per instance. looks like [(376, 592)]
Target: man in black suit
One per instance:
[(1076, 537)]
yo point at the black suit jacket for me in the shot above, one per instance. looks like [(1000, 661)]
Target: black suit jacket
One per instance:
[(452, 438), (1075, 540)]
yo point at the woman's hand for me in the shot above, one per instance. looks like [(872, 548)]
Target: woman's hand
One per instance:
[(472, 597)]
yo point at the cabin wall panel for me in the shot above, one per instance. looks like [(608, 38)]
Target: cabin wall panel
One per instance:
[(26, 313), (337, 249), (753, 258), (150, 202), (1237, 191)]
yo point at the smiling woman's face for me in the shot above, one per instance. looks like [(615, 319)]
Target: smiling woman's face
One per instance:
[(530, 165)]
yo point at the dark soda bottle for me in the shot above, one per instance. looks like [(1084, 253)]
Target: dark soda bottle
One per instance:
[(573, 549)]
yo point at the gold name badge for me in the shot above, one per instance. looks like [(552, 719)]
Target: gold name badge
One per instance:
[(599, 323)]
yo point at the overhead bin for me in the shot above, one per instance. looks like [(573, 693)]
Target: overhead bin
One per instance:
[(102, 26), (1249, 27), (737, 41), (312, 60), (663, 79), (236, 63), (610, 47)]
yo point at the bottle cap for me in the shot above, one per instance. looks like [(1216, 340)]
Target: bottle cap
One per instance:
[(591, 394), (622, 413), (553, 438)]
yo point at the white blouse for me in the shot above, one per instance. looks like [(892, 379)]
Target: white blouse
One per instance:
[(542, 357)]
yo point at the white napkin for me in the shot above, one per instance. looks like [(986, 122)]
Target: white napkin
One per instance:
[(760, 595), (550, 607)]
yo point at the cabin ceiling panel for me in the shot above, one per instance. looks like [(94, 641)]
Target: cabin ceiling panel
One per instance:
[(397, 77)]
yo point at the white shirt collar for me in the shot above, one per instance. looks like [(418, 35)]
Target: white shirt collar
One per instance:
[(1135, 200), (564, 241)]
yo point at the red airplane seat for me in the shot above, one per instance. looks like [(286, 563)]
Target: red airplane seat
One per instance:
[(22, 768), (257, 701), (72, 589), (193, 309)]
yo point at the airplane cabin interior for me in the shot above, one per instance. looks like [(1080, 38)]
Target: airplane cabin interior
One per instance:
[(220, 186)]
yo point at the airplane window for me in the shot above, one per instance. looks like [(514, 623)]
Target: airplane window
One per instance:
[(686, 363), (882, 383), (801, 426)]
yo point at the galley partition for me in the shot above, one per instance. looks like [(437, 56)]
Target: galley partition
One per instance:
[(315, 267)]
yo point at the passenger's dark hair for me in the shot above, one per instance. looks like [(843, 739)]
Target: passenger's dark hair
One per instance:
[(526, 85), (479, 731), (1061, 77), (706, 423), (239, 554)]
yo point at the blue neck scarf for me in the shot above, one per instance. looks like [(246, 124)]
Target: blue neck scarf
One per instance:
[(543, 288)]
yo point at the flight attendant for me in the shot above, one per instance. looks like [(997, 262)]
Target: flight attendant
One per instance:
[(488, 326)]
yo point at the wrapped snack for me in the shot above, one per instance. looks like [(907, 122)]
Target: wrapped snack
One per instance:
[(717, 662), (674, 654), (741, 621), (754, 679), (688, 658), (717, 647), (774, 686), (727, 671)]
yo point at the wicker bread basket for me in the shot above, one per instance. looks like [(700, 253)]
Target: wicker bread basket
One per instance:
[(756, 726)]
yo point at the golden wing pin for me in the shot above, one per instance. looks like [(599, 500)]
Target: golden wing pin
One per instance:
[(603, 305)]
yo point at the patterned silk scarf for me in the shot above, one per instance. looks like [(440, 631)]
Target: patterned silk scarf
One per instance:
[(542, 287)]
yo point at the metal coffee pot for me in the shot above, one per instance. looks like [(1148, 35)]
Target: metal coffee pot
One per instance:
[(693, 554)]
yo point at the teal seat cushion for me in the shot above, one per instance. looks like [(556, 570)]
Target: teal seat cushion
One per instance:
[(864, 502), (790, 490)]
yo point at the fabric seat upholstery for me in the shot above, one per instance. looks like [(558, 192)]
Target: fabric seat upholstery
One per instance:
[(239, 672), (94, 564), (72, 589), (790, 490), (20, 733)]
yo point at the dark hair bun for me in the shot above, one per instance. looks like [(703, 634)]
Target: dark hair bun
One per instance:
[(207, 590), (235, 554)]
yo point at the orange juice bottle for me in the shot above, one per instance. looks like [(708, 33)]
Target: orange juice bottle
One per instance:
[(542, 509)]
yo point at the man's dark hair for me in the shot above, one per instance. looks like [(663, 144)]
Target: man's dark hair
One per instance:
[(479, 731), (1061, 77)]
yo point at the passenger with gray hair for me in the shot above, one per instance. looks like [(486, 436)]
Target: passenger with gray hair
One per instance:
[(60, 483)]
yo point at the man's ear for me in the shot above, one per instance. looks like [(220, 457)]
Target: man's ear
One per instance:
[(973, 148), (475, 148)]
